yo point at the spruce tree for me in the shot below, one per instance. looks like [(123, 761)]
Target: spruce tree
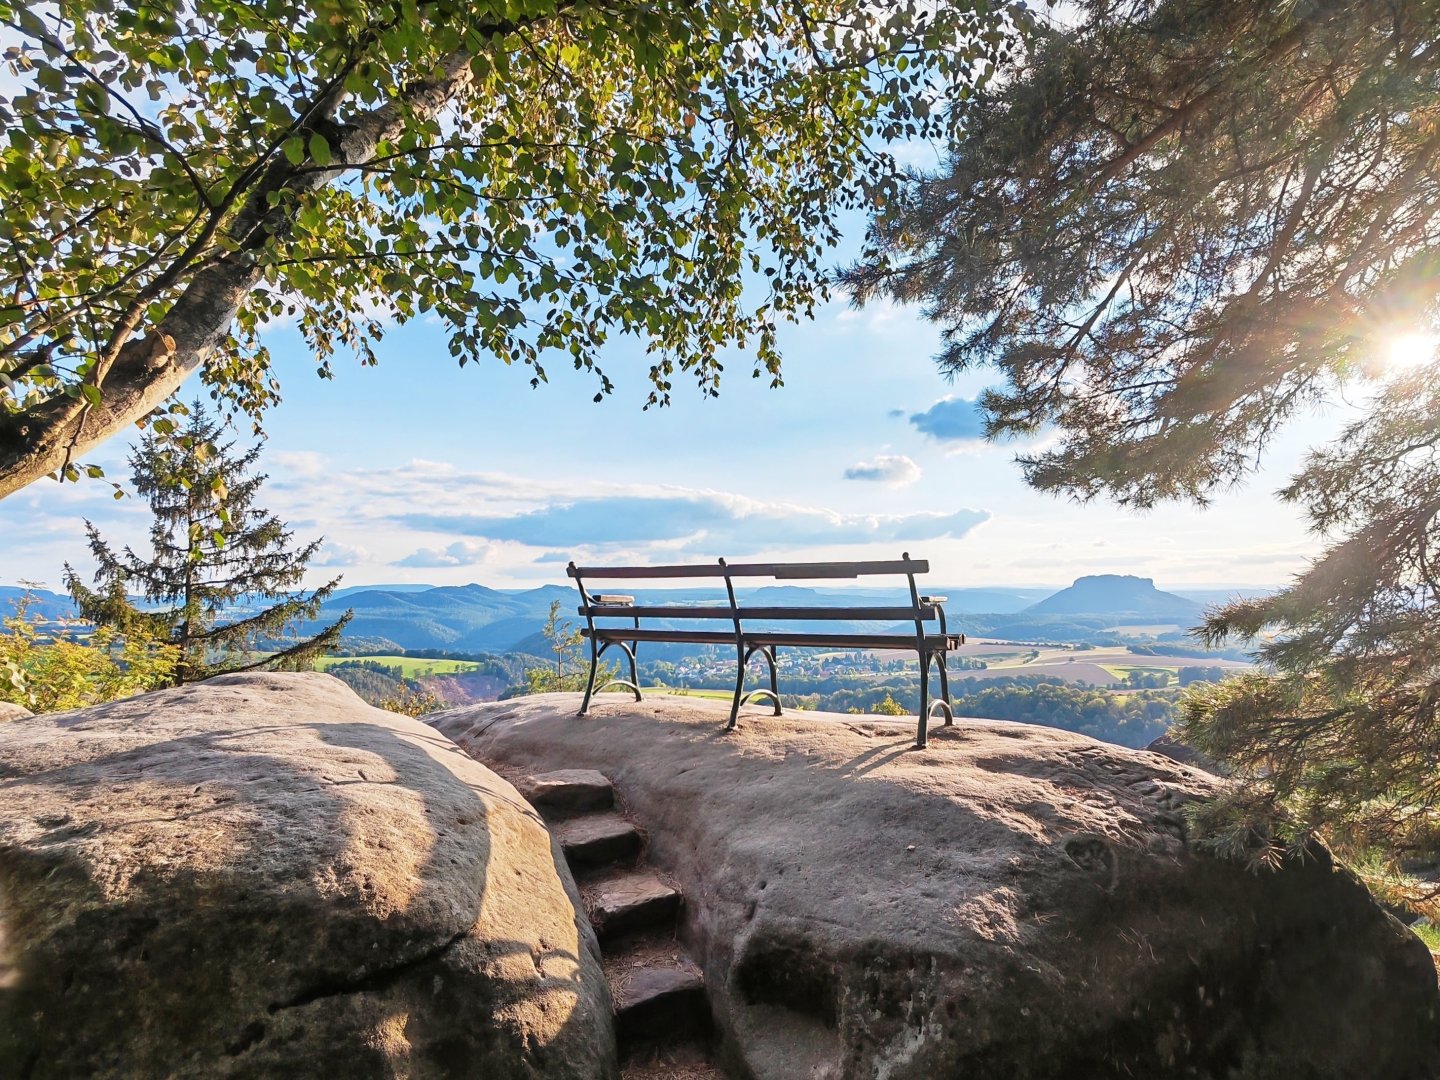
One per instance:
[(1172, 228), (215, 560)]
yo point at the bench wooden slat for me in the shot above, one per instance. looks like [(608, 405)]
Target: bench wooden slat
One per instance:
[(813, 641), (617, 612), (801, 571), (773, 614), (848, 641), (830, 614), (714, 570), (779, 571), (630, 633)]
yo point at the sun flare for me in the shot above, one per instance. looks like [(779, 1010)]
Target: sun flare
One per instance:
[(1408, 351)]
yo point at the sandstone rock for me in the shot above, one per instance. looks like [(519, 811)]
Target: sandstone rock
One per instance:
[(597, 839), (572, 790), (260, 876), (1185, 754), (11, 711), (1015, 902), (625, 900)]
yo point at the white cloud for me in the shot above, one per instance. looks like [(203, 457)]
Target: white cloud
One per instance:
[(462, 553), (896, 470), (432, 505), (875, 316), (717, 522), (307, 464), (337, 554)]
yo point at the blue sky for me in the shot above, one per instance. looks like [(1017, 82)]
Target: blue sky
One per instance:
[(419, 471)]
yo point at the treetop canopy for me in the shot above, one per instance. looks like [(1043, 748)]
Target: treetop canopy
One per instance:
[(539, 175)]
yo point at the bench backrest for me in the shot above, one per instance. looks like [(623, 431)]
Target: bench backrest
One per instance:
[(781, 571), (920, 609)]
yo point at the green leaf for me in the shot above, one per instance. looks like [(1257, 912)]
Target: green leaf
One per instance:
[(319, 149)]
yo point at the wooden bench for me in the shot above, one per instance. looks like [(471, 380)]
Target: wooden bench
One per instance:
[(738, 627)]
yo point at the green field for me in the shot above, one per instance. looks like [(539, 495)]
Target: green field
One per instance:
[(719, 695), (1122, 671), (410, 666)]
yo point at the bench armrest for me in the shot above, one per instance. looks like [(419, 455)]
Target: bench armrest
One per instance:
[(938, 603), (612, 600)]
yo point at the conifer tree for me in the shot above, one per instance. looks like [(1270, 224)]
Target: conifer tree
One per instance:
[(1173, 228), (215, 559)]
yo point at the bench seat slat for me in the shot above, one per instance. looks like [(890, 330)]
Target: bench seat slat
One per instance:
[(814, 641), (776, 614), (801, 571), (618, 612), (630, 633), (851, 641), (830, 614)]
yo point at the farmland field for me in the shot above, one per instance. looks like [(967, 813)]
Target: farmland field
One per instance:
[(410, 666), (688, 691), (1095, 667)]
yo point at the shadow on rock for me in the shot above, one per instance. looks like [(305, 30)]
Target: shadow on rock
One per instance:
[(262, 876), (1014, 902)]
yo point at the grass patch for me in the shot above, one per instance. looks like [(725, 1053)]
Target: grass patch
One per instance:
[(1430, 935), (718, 695), (1122, 671), (410, 666)]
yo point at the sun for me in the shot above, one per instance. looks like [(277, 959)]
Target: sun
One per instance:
[(1408, 351)]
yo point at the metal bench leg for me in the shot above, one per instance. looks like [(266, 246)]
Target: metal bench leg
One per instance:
[(922, 735), (634, 672), (739, 692), (945, 690), (590, 683), (774, 680)]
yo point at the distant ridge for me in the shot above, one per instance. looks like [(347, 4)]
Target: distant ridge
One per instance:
[(1116, 594), (351, 589), (475, 618), (43, 603)]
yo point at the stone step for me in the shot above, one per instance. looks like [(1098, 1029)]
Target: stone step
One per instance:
[(660, 1001), (630, 900), (567, 791), (658, 992), (596, 839), (667, 1060)]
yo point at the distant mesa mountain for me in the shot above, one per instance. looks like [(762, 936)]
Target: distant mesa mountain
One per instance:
[(1117, 594)]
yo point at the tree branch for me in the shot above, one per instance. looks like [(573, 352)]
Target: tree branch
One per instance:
[(144, 371)]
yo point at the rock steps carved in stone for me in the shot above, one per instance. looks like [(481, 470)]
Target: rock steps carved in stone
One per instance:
[(595, 840), (620, 902), (661, 1012)]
